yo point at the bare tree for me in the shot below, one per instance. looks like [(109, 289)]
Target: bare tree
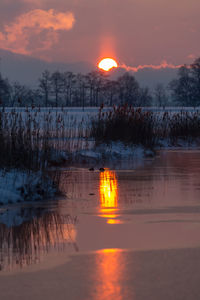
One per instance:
[(20, 95), (81, 89), (145, 98), (129, 90), (69, 80), (160, 95), (5, 90), (95, 83), (57, 85), (45, 85), (195, 72), (183, 87), (111, 91)]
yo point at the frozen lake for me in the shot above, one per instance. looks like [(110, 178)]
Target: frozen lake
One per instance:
[(117, 234)]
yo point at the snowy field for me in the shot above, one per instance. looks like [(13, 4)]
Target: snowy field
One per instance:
[(74, 117), (73, 121)]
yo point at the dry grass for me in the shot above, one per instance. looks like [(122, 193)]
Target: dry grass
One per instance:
[(33, 142), (31, 139), (126, 124), (147, 128)]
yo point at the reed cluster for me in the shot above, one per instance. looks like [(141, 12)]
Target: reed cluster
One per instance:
[(147, 128), (33, 141), (126, 124)]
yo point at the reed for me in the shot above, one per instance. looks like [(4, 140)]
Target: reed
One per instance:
[(126, 124), (30, 139), (32, 142), (146, 128)]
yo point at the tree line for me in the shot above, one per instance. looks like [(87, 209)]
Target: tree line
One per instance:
[(96, 88), (69, 89)]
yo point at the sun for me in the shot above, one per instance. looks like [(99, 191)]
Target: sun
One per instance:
[(107, 64)]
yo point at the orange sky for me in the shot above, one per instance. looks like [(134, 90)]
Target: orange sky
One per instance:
[(135, 32)]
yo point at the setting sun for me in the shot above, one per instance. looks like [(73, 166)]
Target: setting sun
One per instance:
[(107, 64)]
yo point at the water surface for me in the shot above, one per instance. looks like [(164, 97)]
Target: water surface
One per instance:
[(117, 234)]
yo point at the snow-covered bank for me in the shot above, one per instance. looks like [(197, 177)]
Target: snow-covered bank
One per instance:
[(115, 155), (112, 151), (190, 144), (118, 155), (19, 186)]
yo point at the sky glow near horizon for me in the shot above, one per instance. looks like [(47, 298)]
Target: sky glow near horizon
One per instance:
[(134, 32)]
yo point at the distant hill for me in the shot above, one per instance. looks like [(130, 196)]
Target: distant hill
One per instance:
[(27, 70), (149, 77)]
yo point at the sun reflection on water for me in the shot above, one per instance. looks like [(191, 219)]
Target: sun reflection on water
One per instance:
[(108, 189), (110, 274)]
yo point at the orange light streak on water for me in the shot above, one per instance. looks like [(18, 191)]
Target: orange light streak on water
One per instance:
[(110, 273), (108, 189)]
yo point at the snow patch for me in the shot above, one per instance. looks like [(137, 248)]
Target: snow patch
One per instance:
[(111, 152), (17, 186)]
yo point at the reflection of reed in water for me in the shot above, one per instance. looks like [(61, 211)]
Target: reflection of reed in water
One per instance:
[(24, 244)]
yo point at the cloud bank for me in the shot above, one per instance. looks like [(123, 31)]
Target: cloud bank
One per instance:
[(164, 65), (35, 31)]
